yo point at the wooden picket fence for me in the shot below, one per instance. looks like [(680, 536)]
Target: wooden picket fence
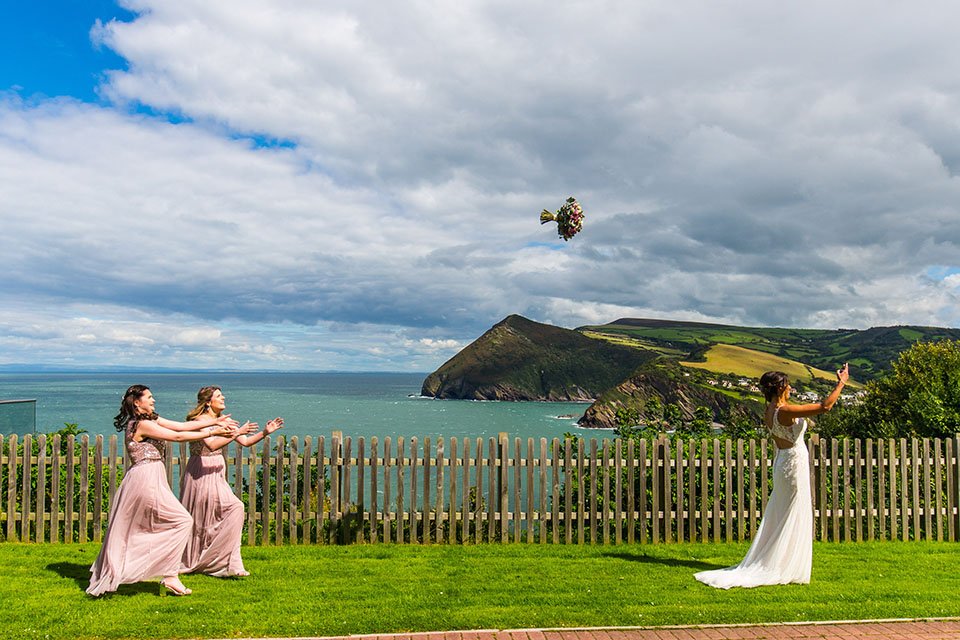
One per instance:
[(345, 490)]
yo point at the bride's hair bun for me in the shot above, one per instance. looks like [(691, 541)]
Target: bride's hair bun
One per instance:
[(772, 383)]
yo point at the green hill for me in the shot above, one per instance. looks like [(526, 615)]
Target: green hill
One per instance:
[(869, 351), (518, 359), (690, 364)]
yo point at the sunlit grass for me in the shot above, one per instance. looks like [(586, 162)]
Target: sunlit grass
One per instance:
[(323, 590)]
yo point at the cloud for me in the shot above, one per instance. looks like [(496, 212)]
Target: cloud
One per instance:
[(335, 185)]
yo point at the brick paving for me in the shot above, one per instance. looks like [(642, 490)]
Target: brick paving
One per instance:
[(933, 629)]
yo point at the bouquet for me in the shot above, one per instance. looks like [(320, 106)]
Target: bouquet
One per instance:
[(569, 218)]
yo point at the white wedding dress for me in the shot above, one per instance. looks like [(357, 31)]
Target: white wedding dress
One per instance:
[(782, 551)]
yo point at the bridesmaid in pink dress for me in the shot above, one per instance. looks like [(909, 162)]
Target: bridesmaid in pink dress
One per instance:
[(214, 546), (148, 528)]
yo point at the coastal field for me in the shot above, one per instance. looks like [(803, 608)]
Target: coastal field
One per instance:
[(297, 591), (726, 358)]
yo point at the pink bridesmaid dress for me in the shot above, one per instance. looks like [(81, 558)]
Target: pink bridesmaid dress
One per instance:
[(214, 546), (148, 528)]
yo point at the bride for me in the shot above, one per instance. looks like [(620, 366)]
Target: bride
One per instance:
[(782, 551)]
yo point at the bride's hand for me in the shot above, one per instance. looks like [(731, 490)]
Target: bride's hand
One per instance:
[(843, 373)]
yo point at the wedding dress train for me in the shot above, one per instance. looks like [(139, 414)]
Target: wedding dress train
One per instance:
[(782, 550)]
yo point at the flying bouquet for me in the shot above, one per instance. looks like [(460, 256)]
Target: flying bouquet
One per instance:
[(569, 218)]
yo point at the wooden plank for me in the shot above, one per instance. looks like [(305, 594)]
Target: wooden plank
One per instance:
[(251, 497), (97, 488), (717, 485), (858, 490), (704, 492), (544, 509), (835, 489), (452, 493), (320, 490), (55, 463), (568, 490), (41, 495), (691, 490), (927, 501), (605, 473), (424, 514), (347, 505), (882, 510), (631, 463), (292, 463), (555, 497), (641, 482), (904, 466), (531, 510), (618, 490), (915, 486), (846, 467), (812, 479), (938, 487), (25, 488), (667, 489), (386, 521), (503, 488), (265, 491), (516, 513), (84, 482), (70, 483), (870, 460), (465, 510), (279, 462), (949, 470), (414, 530), (360, 503), (752, 501), (893, 484), (438, 510), (478, 493), (581, 498), (306, 495), (728, 490), (741, 515), (655, 483), (492, 495), (401, 481), (10, 498), (951, 478)]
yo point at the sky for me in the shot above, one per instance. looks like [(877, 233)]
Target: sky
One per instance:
[(302, 185)]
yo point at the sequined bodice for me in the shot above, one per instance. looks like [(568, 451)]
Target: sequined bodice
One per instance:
[(200, 448), (148, 449)]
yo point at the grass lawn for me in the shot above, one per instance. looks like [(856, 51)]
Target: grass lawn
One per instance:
[(322, 590)]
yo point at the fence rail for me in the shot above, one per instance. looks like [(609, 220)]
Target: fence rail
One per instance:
[(341, 490)]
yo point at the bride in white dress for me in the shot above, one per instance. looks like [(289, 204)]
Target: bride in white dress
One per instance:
[(782, 551)]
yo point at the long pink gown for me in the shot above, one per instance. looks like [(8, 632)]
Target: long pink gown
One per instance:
[(148, 528), (214, 546)]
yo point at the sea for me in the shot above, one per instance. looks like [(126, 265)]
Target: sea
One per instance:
[(311, 404)]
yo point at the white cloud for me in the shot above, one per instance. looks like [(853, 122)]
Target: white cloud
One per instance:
[(754, 163)]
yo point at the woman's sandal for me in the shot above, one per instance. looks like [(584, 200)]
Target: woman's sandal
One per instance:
[(167, 589)]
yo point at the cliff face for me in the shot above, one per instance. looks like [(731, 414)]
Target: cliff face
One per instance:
[(640, 387), (518, 359)]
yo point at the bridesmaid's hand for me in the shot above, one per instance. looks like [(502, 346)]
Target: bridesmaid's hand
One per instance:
[(227, 421), (248, 427), (273, 425)]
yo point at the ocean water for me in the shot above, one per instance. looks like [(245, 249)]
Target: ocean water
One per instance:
[(314, 404)]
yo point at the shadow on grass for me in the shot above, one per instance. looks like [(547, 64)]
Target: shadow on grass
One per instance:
[(80, 574), (668, 562)]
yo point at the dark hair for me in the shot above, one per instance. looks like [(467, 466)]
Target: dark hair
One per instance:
[(772, 383), (203, 401), (128, 408)]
